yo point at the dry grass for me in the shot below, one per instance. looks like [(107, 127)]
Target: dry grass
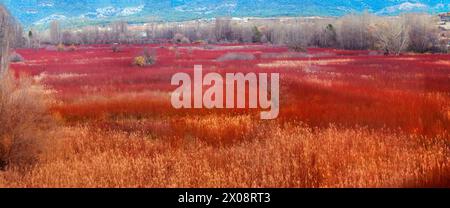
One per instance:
[(278, 156), (25, 121), (214, 131)]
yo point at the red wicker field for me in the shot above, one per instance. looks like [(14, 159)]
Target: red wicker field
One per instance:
[(347, 119)]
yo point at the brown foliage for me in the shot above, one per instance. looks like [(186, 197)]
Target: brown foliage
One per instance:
[(25, 121)]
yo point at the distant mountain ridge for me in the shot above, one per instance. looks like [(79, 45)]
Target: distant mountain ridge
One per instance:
[(38, 13)]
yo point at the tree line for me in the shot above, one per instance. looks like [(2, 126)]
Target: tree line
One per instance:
[(393, 35), (408, 32)]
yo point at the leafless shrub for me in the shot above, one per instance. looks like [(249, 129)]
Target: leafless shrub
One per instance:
[(181, 39), (116, 48), (51, 48), (61, 47), (72, 48), (374, 53), (148, 58), (25, 121), (236, 57), (298, 47), (15, 57)]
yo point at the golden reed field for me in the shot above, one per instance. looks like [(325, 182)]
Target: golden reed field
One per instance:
[(347, 119)]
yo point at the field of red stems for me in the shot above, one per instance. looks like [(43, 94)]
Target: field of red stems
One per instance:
[(347, 119)]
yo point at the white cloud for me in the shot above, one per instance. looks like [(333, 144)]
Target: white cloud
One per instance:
[(410, 6), (32, 11), (131, 11), (106, 12), (50, 19), (404, 7), (46, 4)]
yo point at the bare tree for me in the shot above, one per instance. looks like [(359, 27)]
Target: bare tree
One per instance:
[(90, 35), (119, 31), (392, 35), (297, 34), (33, 39), (223, 29), (55, 32), (68, 38), (150, 31), (6, 38), (423, 33), (30, 38), (354, 33), (325, 35)]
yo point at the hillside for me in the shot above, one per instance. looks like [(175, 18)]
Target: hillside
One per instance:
[(40, 13)]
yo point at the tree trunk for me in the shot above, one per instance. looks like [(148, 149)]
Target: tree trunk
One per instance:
[(7, 30)]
